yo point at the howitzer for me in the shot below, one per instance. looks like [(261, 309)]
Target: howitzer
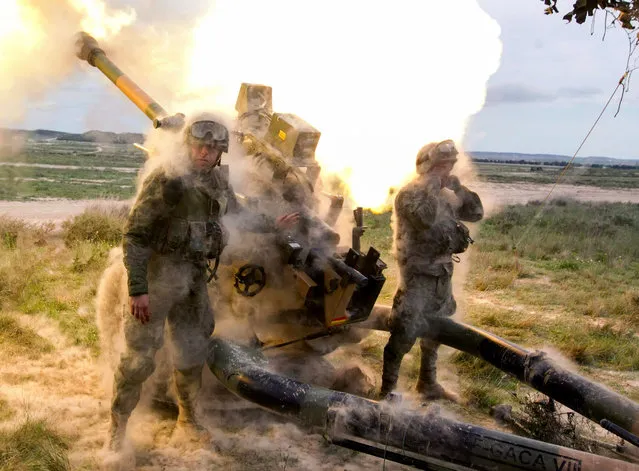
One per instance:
[(285, 144), (338, 289), (335, 286)]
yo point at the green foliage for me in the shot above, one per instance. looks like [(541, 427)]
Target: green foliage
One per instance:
[(40, 276), (577, 260), (520, 173), (377, 233), (19, 270), (579, 233), (72, 170), (33, 446), (97, 225), (14, 231), (605, 345), (483, 385)]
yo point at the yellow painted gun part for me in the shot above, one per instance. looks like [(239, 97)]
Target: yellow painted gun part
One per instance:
[(138, 96)]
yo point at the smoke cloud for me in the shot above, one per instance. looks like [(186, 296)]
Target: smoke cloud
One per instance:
[(37, 44), (378, 81)]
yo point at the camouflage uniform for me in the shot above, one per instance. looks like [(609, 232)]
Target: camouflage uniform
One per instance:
[(172, 230), (427, 234)]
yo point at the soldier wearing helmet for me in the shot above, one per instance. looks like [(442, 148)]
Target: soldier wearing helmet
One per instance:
[(173, 232), (428, 234)]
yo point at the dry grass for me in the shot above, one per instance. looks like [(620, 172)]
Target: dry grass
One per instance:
[(570, 297), (18, 340), (6, 412), (42, 275)]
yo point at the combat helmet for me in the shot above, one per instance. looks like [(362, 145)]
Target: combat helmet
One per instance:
[(435, 153), (207, 128)]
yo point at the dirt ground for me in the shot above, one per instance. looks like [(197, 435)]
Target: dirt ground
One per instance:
[(494, 194), (67, 387)]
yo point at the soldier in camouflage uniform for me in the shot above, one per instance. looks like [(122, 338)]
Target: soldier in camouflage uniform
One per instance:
[(172, 232), (428, 232)]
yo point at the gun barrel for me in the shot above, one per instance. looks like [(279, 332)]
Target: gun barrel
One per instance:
[(424, 440), (89, 50), (533, 368)]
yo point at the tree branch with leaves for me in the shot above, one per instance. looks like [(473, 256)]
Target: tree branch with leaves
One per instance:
[(626, 12)]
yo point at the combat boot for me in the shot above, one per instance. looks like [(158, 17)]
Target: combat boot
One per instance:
[(427, 384), (386, 389), (434, 391), (117, 432), (430, 390), (188, 383)]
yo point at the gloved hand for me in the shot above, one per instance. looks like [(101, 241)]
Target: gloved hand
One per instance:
[(452, 182)]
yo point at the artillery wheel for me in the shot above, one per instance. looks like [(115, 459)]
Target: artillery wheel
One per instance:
[(250, 279)]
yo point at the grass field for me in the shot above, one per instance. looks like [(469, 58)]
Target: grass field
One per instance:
[(73, 170), (546, 174), (561, 279), (84, 170), (566, 282)]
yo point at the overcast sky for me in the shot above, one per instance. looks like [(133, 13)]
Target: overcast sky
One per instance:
[(553, 81)]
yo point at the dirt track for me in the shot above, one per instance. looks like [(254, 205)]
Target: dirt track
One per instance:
[(493, 195), (519, 193), (50, 210)]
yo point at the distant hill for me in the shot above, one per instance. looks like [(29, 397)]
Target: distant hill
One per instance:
[(90, 136), (541, 158), (129, 138)]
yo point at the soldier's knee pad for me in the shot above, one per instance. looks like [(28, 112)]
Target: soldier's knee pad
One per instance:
[(137, 368)]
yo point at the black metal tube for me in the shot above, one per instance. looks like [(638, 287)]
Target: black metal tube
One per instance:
[(590, 399), (342, 416), (344, 270), (620, 432)]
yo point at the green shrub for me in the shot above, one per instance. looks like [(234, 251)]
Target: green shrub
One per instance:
[(95, 224), (16, 231)]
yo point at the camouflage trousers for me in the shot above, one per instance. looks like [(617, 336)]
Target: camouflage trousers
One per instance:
[(178, 297), (418, 298)]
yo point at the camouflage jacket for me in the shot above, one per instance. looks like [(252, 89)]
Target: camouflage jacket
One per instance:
[(181, 216), (427, 228)]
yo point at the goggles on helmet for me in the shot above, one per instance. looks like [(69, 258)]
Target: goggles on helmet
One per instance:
[(211, 132)]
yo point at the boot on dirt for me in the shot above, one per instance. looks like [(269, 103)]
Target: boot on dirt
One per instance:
[(386, 389), (427, 385), (432, 391), (188, 383), (117, 432), (117, 454), (189, 427)]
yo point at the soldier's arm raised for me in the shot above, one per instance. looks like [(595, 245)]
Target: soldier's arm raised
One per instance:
[(417, 207), (154, 203), (471, 208)]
